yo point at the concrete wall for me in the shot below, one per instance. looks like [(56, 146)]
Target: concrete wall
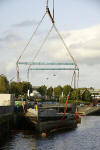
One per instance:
[(5, 125), (10, 121), (6, 99)]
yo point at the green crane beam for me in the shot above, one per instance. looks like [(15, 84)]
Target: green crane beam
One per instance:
[(44, 63), (53, 69)]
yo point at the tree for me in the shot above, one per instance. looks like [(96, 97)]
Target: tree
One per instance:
[(75, 94), (58, 91), (14, 88), (67, 90), (20, 88), (42, 90), (50, 92), (86, 96), (91, 88), (4, 84), (25, 87)]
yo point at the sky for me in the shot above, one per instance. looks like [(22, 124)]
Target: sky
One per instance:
[(78, 22)]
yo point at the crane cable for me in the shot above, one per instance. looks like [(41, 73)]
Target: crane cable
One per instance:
[(52, 20), (73, 76), (53, 9), (61, 38), (31, 38), (17, 67), (65, 45), (45, 39)]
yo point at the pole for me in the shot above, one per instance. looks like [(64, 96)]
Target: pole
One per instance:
[(53, 10), (74, 80), (17, 69), (47, 4)]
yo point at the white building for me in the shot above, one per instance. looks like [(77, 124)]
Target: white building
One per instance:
[(35, 94)]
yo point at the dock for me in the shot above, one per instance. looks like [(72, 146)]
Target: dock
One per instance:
[(89, 110)]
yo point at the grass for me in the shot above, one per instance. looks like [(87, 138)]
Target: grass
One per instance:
[(78, 102)]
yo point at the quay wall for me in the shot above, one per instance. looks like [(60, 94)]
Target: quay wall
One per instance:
[(11, 117), (5, 124), (9, 122), (6, 109)]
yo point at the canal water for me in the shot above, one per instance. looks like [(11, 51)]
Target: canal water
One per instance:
[(85, 137)]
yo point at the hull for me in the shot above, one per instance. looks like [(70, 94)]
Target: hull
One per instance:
[(56, 125), (45, 123)]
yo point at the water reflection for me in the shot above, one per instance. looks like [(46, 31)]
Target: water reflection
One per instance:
[(85, 137), (21, 141)]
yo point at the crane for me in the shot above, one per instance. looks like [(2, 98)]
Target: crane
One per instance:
[(74, 63)]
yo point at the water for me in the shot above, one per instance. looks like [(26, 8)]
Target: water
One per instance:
[(85, 137)]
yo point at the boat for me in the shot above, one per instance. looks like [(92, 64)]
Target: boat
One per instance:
[(46, 120)]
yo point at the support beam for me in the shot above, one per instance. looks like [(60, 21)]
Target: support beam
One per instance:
[(53, 69), (44, 63)]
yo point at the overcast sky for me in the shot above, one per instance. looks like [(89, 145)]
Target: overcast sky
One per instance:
[(78, 21)]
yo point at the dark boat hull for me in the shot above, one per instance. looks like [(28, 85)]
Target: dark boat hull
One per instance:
[(44, 122), (53, 125)]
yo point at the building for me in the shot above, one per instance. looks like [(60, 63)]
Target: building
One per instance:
[(95, 94)]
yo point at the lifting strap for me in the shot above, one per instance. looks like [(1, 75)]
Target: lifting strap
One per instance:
[(45, 39), (33, 34), (65, 109)]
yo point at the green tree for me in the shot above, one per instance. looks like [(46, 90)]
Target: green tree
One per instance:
[(42, 90), (91, 88), (4, 84), (20, 88), (67, 90), (50, 92), (14, 88), (58, 91), (75, 94), (86, 96), (25, 87)]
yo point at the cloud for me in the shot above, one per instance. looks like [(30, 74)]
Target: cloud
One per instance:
[(55, 36), (83, 44), (10, 37), (26, 23), (11, 65)]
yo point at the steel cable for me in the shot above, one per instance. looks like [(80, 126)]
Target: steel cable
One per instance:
[(45, 39), (17, 67), (65, 45), (31, 38)]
